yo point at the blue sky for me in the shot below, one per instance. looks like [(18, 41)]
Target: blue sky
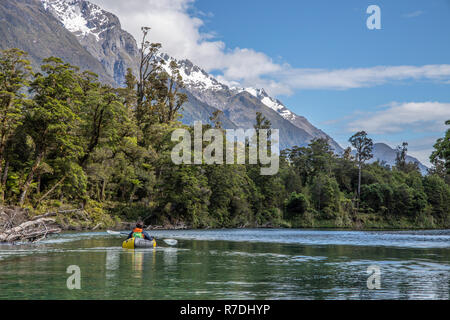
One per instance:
[(320, 59), (334, 35)]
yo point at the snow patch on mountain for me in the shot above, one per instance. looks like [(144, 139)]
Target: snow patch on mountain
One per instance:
[(207, 89), (100, 33), (193, 76), (270, 102), (77, 16)]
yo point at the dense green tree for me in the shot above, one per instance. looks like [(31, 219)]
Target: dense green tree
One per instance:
[(363, 146), (185, 196), (377, 196), (102, 115), (325, 194), (72, 141), (299, 157), (232, 194), (321, 156), (15, 72), (441, 155), (400, 156), (296, 204), (400, 159), (438, 195), (51, 117)]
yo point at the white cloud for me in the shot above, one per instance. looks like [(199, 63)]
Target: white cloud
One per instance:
[(179, 32), (422, 122), (175, 25), (362, 77), (413, 14), (401, 117)]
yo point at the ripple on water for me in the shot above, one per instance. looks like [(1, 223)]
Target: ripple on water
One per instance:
[(308, 258), (404, 239), (309, 264)]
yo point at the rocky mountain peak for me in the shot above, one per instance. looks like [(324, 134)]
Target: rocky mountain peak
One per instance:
[(99, 32), (194, 77), (82, 18)]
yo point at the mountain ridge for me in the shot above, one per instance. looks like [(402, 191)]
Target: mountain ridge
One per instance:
[(92, 38), (26, 25), (100, 33), (209, 90), (383, 152)]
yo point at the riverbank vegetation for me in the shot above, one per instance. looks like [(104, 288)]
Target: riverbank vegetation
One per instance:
[(68, 141)]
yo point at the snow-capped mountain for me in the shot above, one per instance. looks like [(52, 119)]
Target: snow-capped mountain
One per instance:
[(296, 120), (99, 32), (193, 76), (102, 39), (209, 90), (272, 103), (73, 14), (85, 35), (25, 24)]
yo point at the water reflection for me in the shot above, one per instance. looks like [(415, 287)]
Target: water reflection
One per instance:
[(137, 258), (170, 256), (112, 259)]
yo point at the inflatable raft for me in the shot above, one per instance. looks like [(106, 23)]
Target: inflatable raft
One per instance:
[(136, 243)]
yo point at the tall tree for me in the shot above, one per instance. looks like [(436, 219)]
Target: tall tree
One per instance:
[(320, 156), (215, 119), (148, 65), (262, 123), (400, 156), (15, 71), (159, 89), (364, 147), (400, 159), (52, 115), (102, 111), (172, 96)]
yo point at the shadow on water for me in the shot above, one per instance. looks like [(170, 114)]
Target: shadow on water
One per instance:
[(218, 269)]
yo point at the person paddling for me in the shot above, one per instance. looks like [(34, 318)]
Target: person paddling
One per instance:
[(139, 232)]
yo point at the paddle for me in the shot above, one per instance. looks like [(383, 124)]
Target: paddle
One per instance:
[(170, 242)]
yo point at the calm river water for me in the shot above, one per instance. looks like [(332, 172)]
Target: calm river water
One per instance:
[(233, 264)]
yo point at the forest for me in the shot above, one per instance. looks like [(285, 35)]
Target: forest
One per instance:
[(68, 141)]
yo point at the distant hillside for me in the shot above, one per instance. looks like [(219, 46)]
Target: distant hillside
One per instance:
[(26, 25), (240, 105), (383, 152), (100, 33)]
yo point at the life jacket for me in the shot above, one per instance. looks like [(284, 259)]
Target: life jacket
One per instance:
[(138, 233)]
